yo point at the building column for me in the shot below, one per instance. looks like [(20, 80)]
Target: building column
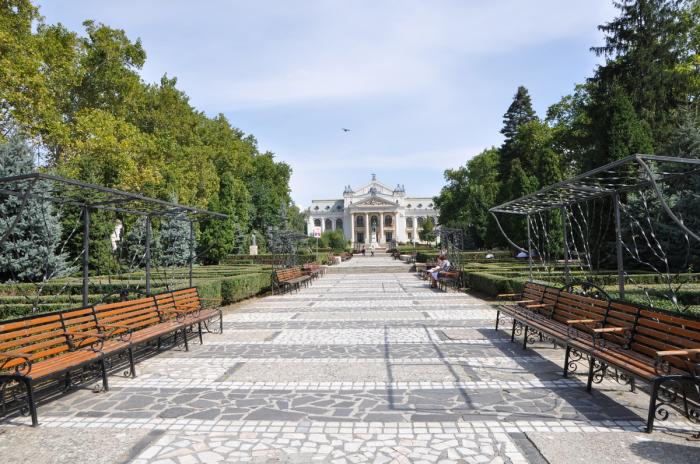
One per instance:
[(380, 238), (368, 229), (352, 230)]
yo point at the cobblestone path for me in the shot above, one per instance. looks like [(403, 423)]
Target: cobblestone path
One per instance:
[(356, 368)]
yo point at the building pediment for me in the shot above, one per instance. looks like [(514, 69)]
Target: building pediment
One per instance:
[(374, 201)]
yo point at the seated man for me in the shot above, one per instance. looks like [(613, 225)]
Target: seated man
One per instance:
[(443, 264)]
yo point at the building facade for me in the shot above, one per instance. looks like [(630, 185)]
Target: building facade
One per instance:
[(374, 213)]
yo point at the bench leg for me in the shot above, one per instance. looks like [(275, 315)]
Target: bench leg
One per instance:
[(525, 337), (103, 368), (199, 326), (566, 361), (184, 335), (498, 316), (132, 366), (652, 404), (591, 366), (221, 322), (512, 332), (30, 402)]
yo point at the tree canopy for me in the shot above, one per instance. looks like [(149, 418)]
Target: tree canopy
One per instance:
[(643, 98), (77, 97)]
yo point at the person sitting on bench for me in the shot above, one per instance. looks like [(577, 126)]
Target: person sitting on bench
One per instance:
[(443, 264)]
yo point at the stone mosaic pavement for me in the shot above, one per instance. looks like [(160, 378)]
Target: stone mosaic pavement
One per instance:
[(356, 368)]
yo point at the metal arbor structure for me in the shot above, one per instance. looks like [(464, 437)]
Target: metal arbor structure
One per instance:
[(452, 241), (623, 177), (91, 197)]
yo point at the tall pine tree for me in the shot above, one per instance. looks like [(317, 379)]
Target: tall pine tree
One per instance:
[(32, 250)]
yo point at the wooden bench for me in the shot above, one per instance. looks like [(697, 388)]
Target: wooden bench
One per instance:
[(450, 278), (44, 347), (639, 343), (38, 349), (290, 278), (313, 270)]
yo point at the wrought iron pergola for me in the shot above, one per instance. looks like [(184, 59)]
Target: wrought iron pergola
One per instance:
[(628, 174), (90, 197)]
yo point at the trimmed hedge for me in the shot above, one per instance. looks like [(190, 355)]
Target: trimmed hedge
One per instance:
[(245, 286), (493, 285)]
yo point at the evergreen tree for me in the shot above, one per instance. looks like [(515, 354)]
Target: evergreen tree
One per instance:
[(175, 242), (646, 47), (134, 244), (617, 129), (519, 112), (32, 251)]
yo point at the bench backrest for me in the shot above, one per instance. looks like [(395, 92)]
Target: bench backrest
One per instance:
[(533, 291), (658, 331), (80, 322), (646, 331), (187, 299), (37, 337), (289, 273), (134, 314)]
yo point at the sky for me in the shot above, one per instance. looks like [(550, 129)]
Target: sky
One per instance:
[(422, 85)]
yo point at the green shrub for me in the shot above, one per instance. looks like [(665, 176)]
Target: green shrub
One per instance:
[(493, 285), (240, 287)]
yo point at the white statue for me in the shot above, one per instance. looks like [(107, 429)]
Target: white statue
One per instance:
[(116, 235)]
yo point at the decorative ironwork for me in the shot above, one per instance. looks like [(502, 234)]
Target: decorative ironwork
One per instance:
[(673, 396), (575, 357)]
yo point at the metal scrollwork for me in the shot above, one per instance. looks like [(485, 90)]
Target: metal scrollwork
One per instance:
[(24, 367), (11, 397), (217, 330), (599, 370), (519, 328), (575, 357)]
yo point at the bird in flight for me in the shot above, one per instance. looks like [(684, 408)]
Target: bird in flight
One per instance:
[(345, 130)]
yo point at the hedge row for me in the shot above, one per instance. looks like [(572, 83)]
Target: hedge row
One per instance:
[(269, 259), (227, 290), (492, 285)]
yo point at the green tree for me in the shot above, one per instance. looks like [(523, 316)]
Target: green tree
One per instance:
[(427, 232), (175, 242), (645, 48), (519, 112), (32, 251)]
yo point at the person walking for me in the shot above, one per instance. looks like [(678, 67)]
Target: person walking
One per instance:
[(371, 249)]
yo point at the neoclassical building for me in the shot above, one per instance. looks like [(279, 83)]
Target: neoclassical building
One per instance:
[(373, 213)]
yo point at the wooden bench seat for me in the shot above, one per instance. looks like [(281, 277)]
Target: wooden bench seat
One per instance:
[(654, 346)]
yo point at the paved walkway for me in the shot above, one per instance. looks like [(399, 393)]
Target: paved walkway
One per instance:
[(356, 368)]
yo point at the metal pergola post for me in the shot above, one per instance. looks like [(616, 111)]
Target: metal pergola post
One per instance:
[(567, 275), (148, 255), (191, 260), (86, 253), (529, 248), (618, 245)]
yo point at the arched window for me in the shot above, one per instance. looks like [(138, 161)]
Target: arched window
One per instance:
[(360, 221), (317, 222), (339, 224), (388, 221), (420, 221), (329, 224)]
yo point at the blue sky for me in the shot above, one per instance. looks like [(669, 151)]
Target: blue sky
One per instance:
[(422, 85)]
